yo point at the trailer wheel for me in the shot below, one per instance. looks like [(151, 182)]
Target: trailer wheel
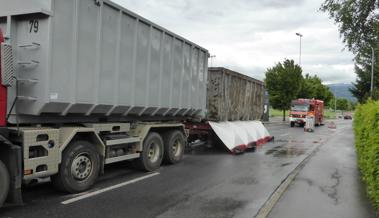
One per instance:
[(4, 183), (152, 154), (174, 143), (79, 168)]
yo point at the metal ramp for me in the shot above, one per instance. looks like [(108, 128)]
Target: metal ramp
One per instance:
[(238, 136)]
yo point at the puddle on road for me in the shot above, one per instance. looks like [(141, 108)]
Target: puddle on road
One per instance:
[(281, 140), (297, 141), (286, 164), (272, 150), (288, 151), (289, 141), (245, 181), (222, 207)]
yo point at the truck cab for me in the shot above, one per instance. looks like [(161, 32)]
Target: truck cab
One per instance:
[(303, 108)]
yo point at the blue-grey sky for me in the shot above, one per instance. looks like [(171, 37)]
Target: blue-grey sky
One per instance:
[(250, 36)]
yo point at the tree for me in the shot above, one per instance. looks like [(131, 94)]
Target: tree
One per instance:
[(361, 87), (342, 104), (358, 22), (312, 87), (306, 88), (283, 83)]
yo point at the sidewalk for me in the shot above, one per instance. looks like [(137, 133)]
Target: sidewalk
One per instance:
[(329, 185)]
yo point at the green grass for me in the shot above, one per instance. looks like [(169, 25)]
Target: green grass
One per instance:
[(329, 114), (276, 113)]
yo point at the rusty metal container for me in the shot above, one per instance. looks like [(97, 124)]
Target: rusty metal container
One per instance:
[(233, 96)]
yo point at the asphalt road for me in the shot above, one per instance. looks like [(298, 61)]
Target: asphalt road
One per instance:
[(208, 183)]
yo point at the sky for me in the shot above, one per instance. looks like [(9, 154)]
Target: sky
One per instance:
[(250, 36)]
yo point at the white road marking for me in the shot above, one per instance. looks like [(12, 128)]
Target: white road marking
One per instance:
[(285, 134), (91, 194)]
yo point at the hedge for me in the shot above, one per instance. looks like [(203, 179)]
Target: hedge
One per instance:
[(366, 128)]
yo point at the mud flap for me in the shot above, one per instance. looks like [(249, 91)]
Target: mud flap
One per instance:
[(238, 136), (12, 157)]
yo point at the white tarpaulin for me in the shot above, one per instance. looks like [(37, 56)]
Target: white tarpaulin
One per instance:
[(241, 135)]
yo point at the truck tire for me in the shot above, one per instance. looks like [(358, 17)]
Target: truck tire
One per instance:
[(152, 155), (79, 169), (174, 144), (292, 124), (4, 183)]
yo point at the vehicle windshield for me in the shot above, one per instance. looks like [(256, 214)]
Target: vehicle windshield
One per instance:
[(298, 107)]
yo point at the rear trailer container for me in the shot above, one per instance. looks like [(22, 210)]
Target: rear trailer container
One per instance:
[(235, 104), (89, 83), (233, 96), (81, 60)]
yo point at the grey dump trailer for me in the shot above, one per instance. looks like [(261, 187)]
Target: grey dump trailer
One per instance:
[(235, 106), (85, 83)]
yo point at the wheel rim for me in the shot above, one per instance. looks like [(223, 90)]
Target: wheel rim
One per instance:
[(177, 147), (81, 167), (153, 152)]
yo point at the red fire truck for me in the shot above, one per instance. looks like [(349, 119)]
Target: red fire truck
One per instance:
[(301, 108)]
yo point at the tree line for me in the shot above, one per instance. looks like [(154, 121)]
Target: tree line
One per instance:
[(285, 82)]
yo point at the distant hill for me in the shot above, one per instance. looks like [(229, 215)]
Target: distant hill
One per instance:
[(341, 90)]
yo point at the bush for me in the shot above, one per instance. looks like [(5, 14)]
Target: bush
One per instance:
[(366, 128)]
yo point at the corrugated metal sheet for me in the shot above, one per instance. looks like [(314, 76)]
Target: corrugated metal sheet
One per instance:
[(232, 96), (95, 58)]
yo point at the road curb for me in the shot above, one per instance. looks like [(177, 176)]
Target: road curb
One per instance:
[(265, 210)]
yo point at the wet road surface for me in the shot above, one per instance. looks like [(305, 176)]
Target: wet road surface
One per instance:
[(208, 183), (329, 185)]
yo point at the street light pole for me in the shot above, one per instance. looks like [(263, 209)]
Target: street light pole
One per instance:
[(300, 36), (335, 101), (372, 70)]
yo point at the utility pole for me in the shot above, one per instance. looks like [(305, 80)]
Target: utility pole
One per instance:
[(300, 36)]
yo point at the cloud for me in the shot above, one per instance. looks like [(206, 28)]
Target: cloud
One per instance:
[(281, 3), (335, 73), (253, 35)]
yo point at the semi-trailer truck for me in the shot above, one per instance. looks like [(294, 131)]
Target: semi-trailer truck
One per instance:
[(86, 83)]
